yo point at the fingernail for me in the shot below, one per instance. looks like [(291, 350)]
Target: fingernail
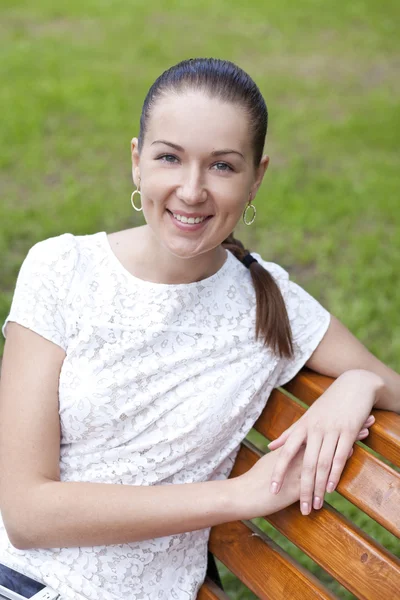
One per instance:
[(274, 487), (317, 503), (304, 508), (331, 487)]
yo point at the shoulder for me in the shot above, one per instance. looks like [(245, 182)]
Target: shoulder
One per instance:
[(66, 249), (51, 263), (51, 250)]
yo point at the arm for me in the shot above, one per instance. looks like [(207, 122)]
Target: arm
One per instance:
[(341, 351), (40, 511)]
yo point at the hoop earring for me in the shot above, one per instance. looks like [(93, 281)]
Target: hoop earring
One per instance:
[(245, 214), (132, 202)]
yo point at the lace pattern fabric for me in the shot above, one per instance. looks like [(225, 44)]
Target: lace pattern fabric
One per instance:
[(159, 385)]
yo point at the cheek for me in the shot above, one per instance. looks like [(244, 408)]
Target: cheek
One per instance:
[(155, 190), (159, 183), (233, 202)]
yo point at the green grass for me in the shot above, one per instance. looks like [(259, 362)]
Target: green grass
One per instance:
[(74, 77)]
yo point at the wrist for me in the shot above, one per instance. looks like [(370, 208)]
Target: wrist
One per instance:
[(238, 491), (371, 382)]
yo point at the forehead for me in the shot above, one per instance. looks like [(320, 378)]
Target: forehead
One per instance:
[(196, 121)]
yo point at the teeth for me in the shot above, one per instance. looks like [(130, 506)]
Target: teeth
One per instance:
[(190, 220)]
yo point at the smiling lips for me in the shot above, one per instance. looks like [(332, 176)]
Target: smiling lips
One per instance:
[(189, 221), (184, 219)]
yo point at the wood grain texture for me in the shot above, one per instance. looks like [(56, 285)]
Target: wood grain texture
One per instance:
[(348, 554), (210, 591), (262, 565), (353, 558)]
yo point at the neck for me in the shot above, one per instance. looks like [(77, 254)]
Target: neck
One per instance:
[(159, 265)]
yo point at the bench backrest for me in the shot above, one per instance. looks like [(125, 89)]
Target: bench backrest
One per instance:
[(341, 548)]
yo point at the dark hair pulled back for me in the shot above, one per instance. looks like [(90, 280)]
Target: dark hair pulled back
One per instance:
[(226, 81)]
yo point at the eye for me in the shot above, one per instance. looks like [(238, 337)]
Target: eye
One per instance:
[(167, 158), (223, 166)]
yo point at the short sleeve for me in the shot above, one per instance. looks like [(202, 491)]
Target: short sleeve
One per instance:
[(309, 321), (42, 287)]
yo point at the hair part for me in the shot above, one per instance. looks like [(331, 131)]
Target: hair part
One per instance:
[(223, 80)]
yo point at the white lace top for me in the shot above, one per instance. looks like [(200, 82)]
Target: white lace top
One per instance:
[(159, 385)]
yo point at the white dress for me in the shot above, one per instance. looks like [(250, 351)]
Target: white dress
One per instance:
[(159, 386)]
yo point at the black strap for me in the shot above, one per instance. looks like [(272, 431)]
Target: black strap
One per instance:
[(248, 259)]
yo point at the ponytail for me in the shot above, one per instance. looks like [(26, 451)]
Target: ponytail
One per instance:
[(272, 321)]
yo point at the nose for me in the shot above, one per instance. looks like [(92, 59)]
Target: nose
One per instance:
[(191, 189)]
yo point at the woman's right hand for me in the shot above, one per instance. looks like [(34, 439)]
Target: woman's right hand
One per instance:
[(253, 487)]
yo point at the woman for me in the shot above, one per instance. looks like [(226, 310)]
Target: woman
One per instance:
[(139, 360)]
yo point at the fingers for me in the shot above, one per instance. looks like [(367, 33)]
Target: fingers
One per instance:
[(363, 434), (370, 421), (279, 441), (286, 454), (344, 445), (323, 464), (308, 472), (324, 467), (320, 460), (365, 430)]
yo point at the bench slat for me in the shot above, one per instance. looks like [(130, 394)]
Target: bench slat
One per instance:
[(262, 565), (361, 565), (210, 591), (384, 435), (366, 481), (374, 487)]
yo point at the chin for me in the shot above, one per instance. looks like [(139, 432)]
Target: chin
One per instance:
[(185, 250), (184, 253)]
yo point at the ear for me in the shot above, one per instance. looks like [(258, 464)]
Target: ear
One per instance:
[(260, 172), (135, 161)]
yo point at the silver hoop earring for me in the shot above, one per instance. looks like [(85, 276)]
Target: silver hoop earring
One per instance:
[(132, 202), (251, 206)]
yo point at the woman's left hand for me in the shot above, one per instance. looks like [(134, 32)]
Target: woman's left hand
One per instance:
[(329, 429)]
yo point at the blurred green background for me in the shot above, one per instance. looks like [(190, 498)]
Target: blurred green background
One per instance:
[(74, 76)]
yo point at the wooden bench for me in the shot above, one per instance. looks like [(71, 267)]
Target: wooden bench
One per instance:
[(342, 549)]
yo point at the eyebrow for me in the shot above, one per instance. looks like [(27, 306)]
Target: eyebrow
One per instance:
[(214, 153)]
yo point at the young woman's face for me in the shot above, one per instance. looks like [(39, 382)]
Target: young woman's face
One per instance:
[(196, 164)]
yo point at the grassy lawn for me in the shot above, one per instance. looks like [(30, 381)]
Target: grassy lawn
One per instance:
[(74, 77)]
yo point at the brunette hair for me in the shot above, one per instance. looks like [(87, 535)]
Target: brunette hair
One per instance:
[(226, 81)]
